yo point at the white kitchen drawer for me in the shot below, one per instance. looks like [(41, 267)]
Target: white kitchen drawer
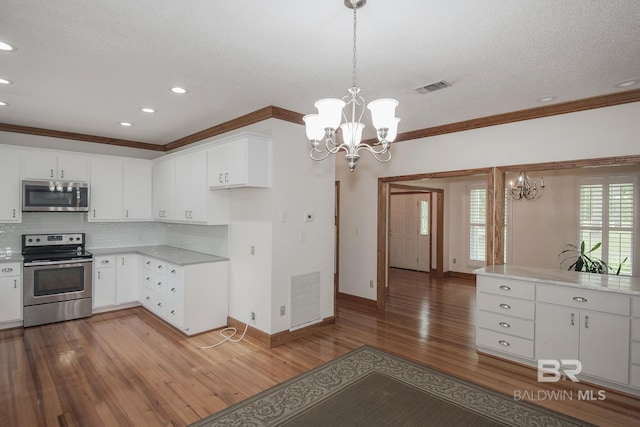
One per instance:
[(635, 329), (153, 264), (154, 302), (635, 306), (104, 261), (570, 296), (508, 287), (504, 343), (156, 282), (635, 352), (505, 324), (10, 269), (506, 305)]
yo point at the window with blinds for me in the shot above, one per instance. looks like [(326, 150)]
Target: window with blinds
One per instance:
[(477, 224), (607, 216)]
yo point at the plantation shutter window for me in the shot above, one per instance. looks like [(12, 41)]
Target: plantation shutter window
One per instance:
[(477, 224)]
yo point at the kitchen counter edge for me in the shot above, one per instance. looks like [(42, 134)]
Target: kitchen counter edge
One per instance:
[(166, 253)]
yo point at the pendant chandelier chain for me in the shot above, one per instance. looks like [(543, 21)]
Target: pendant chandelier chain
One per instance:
[(353, 76)]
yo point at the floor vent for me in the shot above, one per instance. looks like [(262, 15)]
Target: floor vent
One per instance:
[(432, 87), (305, 299)]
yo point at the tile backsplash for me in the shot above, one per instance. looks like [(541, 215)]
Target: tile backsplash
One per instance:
[(210, 239)]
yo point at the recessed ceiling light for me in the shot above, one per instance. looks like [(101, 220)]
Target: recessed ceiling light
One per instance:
[(626, 83), (5, 46), (178, 89), (2, 103), (546, 99), (148, 110), (5, 82), (126, 124)]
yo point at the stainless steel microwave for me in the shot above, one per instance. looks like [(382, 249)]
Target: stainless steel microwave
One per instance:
[(55, 196)]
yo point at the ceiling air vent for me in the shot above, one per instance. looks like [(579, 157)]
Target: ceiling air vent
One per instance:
[(432, 87)]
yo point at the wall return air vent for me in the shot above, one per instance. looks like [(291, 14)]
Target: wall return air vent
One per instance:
[(432, 87)]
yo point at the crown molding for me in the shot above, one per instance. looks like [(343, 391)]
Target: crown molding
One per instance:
[(294, 117)]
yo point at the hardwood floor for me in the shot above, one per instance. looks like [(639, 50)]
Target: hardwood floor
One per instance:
[(128, 368)]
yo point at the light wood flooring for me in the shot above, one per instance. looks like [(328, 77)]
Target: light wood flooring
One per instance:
[(128, 368)]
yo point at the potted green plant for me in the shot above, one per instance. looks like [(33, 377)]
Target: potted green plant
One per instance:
[(582, 260)]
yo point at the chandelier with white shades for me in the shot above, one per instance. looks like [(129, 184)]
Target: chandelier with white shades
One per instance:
[(322, 126)]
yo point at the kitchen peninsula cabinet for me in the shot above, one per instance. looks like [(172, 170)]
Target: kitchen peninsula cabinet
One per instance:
[(556, 314), (193, 298), (10, 205), (43, 164)]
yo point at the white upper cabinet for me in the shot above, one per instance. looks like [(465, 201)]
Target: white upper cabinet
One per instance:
[(10, 209), (164, 190), (137, 190), (54, 165), (240, 163), (181, 192), (120, 189), (106, 189)]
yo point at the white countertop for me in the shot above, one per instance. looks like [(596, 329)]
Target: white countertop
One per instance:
[(600, 282), (170, 254)]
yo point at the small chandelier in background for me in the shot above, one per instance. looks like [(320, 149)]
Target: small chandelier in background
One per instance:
[(525, 188), (322, 126)]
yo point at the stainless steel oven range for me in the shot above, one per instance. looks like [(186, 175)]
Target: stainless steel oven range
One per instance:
[(57, 278)]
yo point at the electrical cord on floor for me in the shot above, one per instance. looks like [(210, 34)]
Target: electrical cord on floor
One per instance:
[(227, 337)]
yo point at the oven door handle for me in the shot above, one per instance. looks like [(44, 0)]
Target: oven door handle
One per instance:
[(68, 261)]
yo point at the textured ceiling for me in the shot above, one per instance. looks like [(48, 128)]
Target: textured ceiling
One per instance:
[(85, 65)]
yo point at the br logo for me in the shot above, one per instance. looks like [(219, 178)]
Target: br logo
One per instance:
[(551, 370)]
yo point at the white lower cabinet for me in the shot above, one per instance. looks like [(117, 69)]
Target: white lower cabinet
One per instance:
[(599, 340), (193, 298), (634, 368), (10, 292), (505, 316), (104, 281), (115, 280)]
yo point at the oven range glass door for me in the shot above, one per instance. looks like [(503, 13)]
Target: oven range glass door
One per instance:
[(61, 282), (53, 281)]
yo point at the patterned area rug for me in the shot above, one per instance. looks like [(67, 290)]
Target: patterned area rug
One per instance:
[(370, 387)]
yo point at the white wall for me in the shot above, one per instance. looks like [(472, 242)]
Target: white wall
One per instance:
[(604, 132), (260, 282)]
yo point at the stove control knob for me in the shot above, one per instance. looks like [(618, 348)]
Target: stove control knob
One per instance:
[(30, 240), (37, 240)]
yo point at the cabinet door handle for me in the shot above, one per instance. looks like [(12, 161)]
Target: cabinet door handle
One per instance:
[(580, 299), (7, 270), (15, 283), (220, 178), (159, 283), (148, 298), (160, 266), (159, 304), (126, 215), (173, 312), (148, 262), (586, 322), (14, 213), (62, 173), (504, 324), (504, 343), (51, 173), (573, 316), (148, 278), (226, 177), (173, 271), (99, 275), (505, 288), (94, 213), (505, 306), (122, 260), (173, 289), (104, 261)]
